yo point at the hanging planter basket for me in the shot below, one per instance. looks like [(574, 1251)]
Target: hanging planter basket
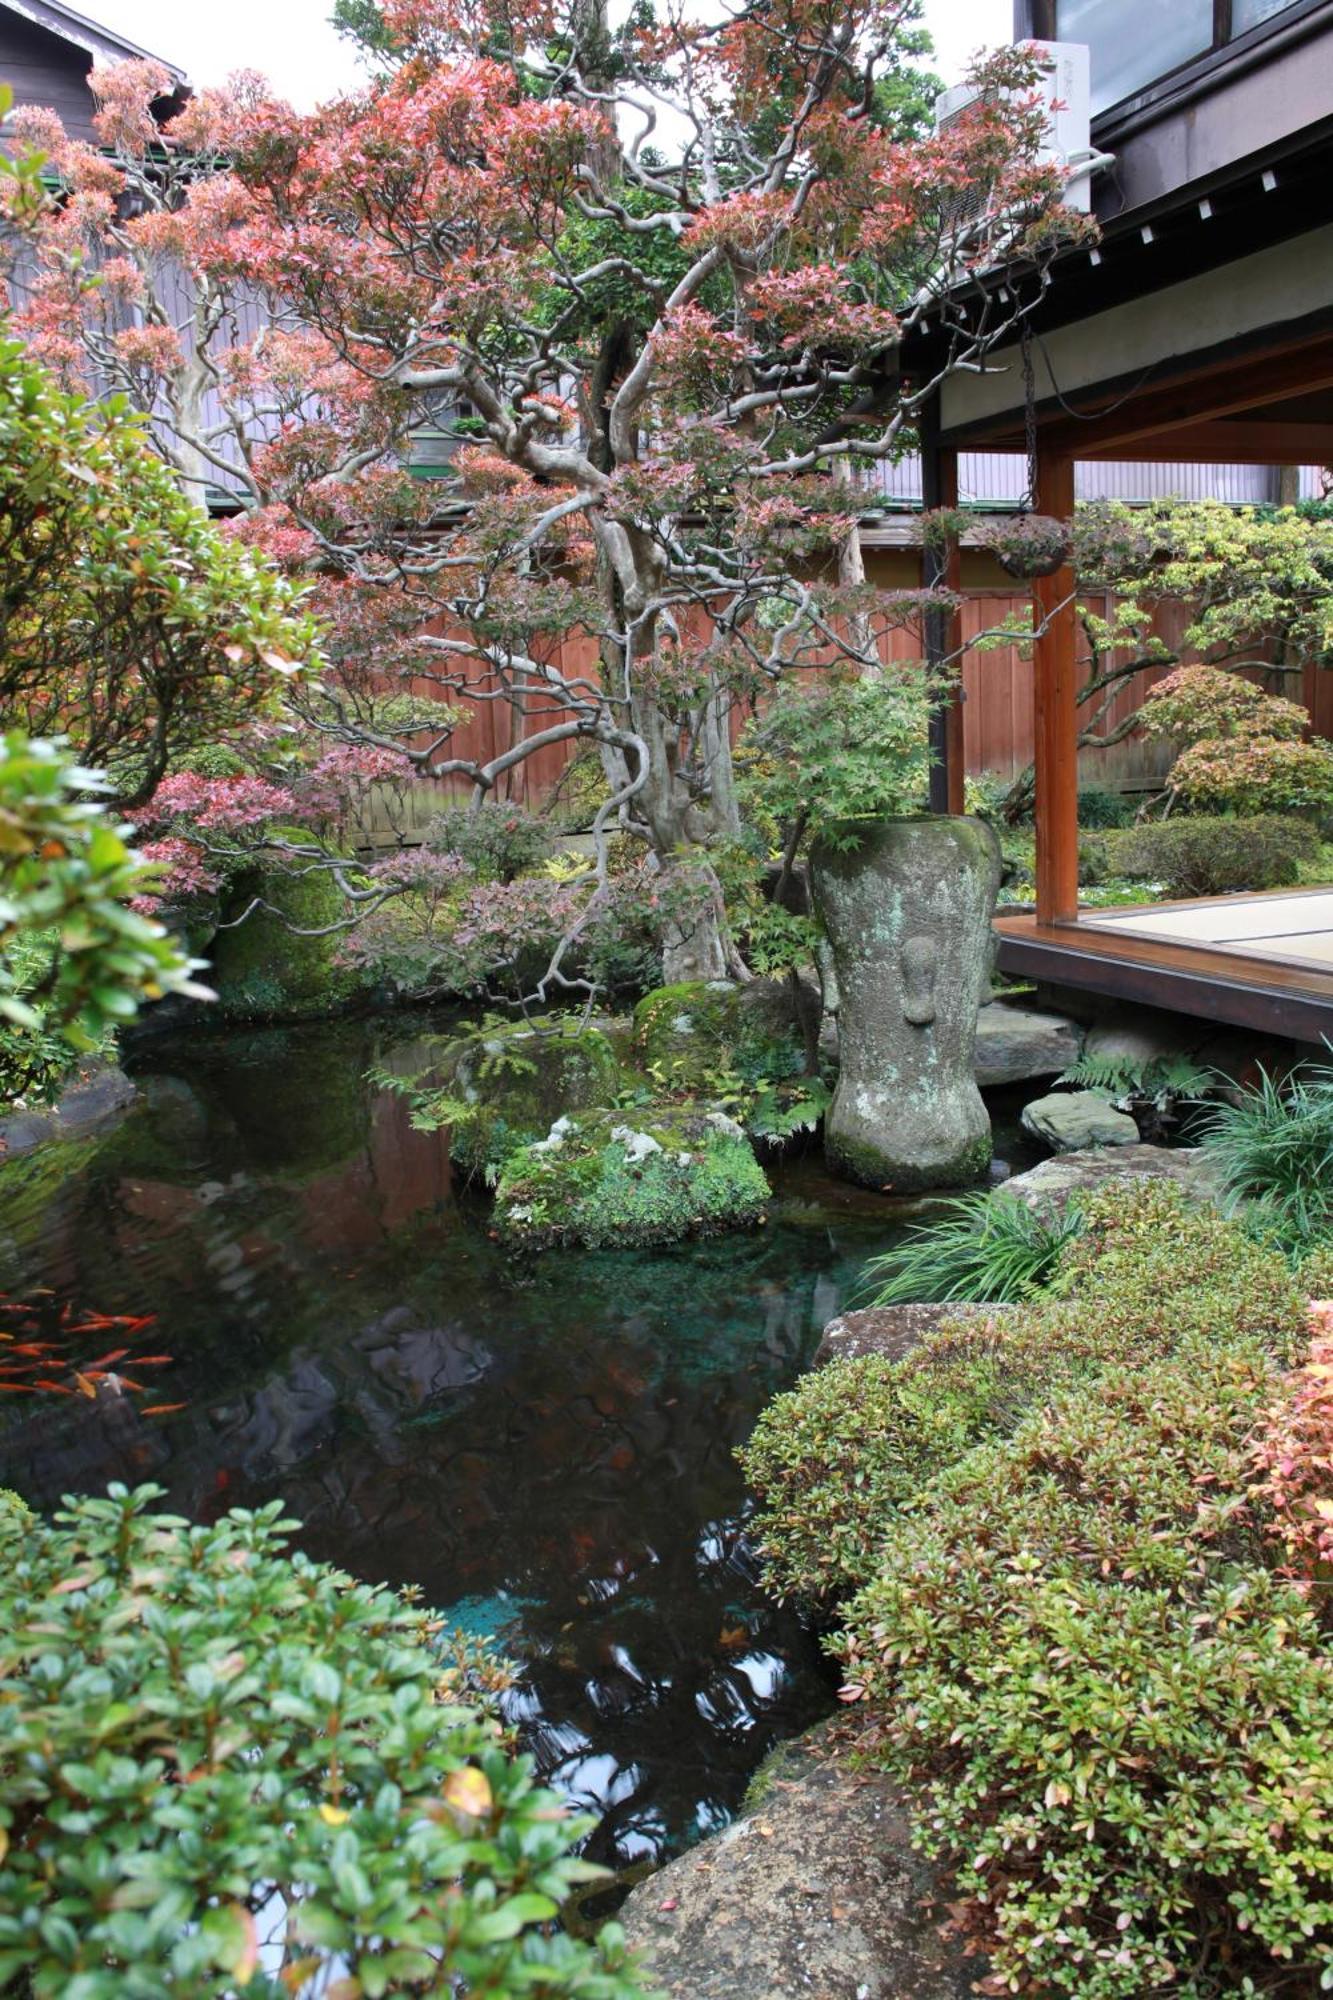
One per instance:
[(1028, 545)]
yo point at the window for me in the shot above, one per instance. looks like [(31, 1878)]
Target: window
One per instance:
[(1247, 14), (1133, 42)]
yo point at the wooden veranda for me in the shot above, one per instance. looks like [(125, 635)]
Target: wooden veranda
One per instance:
[(1199, 329)]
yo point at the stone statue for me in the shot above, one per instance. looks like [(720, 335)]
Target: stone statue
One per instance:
[(907, 915)]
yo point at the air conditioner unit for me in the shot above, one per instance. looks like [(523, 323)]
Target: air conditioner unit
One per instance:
[(1066, 87)]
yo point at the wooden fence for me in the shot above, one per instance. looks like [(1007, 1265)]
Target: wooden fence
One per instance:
[(997, 716)]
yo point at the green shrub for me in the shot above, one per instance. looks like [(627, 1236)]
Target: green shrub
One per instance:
[(1272, 1148), (199, 1728), (986, 795), (36, 1063), (66, 873), (986, 1247), (835, 1458), (1212, 857), (1118, 1724), (621, 1180), (497, 842), (1098, 808)]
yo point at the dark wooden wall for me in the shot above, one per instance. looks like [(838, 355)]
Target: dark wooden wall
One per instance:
[(40, 68)]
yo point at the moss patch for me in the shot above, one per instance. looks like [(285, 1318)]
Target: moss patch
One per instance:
[(610, 1179), (699, 1033), (265, 968), (502, 1086)]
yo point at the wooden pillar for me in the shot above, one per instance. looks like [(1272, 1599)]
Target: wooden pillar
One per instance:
[(942, 568), (1055, 698)]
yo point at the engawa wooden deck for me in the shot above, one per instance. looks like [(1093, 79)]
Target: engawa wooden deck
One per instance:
[(1263, 962)]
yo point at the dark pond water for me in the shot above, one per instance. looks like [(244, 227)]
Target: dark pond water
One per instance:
[(545, 1447)]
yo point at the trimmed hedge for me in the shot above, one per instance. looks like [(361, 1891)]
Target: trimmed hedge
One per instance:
[(1212, 857), (1114, 1718)]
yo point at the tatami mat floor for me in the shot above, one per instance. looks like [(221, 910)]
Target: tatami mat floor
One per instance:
[(1293, 928)]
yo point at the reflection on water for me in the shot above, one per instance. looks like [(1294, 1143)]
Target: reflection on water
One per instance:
[(545, 1448)]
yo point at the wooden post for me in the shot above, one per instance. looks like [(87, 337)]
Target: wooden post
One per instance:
[(1055, 699), (942, 568)]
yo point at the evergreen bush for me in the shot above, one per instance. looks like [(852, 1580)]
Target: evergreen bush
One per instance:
[(1116, 1721), (1213, 857), (1112, 1715), (1099, 808), (834, 1458), (226, 1769)]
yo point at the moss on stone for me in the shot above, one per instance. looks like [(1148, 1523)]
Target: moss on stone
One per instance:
[(502, 1086), (692, 1035), (617, 1180), (861, 1162), (264, 967)]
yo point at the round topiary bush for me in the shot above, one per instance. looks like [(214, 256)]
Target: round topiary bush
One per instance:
[(1212, 857), (226, 1770)]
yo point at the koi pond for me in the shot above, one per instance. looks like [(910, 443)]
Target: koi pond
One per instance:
[(281, 1293)]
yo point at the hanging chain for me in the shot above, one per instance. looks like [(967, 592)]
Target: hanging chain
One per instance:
[(1029, 506)]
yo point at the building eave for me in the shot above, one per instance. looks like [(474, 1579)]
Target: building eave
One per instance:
[(102, 44)]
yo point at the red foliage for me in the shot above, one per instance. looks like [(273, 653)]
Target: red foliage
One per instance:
[(219, 805), (1294, 1456)]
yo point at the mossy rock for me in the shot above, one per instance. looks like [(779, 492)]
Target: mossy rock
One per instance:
[(503, 1085), (263, 969), (693, 1035), (616, 1180)]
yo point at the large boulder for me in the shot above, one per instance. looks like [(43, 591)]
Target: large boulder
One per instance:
[(906, 906), (814, 1891), (623, 1180), (1018, 1044), (96, 1095), (1052, 1183), (892, 1331), (1070, 1120)]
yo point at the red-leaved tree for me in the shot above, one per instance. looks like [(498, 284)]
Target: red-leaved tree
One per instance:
[(652, 285)]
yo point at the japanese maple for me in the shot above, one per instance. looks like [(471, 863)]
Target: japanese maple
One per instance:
[(651, 282)]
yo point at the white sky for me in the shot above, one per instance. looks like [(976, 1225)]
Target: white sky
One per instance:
[(292, 43)]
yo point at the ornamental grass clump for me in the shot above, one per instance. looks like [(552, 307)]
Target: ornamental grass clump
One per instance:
[(982, 1247), (835, 1460), (1272, 1152), (226, 1769)]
